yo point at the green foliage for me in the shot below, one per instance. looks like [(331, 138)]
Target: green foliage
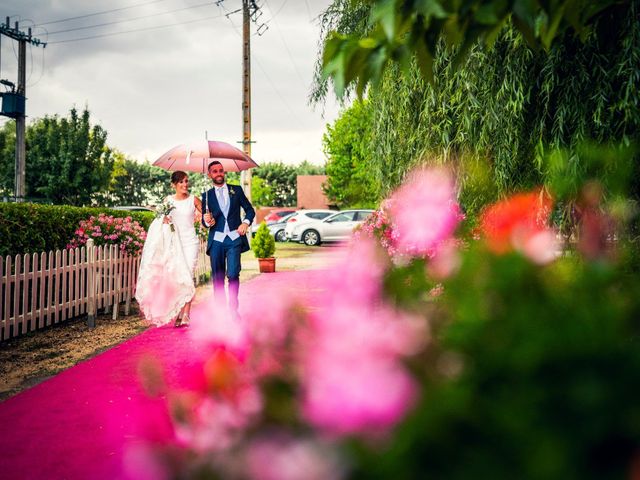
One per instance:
[(504, 108), (278, 187), (308, 168), (7, 158), (261, 195), (345, 17), (263, 244), (135, 183), (34, 228), (401, 32), (529, 372), (68, 160), (346, 145)]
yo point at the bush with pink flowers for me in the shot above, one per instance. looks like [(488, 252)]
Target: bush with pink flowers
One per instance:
[(104, 229), (421, 354)]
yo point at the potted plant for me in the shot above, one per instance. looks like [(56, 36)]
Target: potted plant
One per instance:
[(264, 246)]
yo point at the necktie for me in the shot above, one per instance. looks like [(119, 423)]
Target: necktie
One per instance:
[(221, 199)]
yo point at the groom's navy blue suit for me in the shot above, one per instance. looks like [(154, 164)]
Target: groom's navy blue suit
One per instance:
[(225, 254)]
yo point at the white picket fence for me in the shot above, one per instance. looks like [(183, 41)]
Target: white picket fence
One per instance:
[(44, 289)]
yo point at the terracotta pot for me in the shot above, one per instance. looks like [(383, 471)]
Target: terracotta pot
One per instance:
[(267, 265)]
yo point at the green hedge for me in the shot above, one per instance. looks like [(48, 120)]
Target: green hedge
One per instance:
[(33, 228)]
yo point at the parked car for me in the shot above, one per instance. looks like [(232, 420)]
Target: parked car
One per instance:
[(293, 230), (276, 215), (276, 229), (333, 228)]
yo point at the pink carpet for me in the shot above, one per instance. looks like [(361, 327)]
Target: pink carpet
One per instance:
[(78, 424)]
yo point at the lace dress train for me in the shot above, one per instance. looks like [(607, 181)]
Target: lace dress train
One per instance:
[(165, 279)]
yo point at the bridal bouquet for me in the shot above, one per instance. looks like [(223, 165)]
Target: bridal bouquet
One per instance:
[(164, 209)]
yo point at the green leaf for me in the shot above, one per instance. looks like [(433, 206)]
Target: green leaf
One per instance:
[(430, 8), (425, 61), (384, 14)]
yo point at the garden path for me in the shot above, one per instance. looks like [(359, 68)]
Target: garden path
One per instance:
[(83, 422)]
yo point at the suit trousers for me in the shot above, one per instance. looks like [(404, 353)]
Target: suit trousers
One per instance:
[(225, 261)]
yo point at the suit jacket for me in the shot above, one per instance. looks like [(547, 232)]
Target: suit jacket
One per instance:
[(237, 200)]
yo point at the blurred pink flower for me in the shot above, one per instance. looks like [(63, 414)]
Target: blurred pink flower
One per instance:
[(216, 423), (357, 395), (282, 457), (353, 380), (142, 462), (424, 211), (445, 260), (269, 325), (358, 281), (541, 247)]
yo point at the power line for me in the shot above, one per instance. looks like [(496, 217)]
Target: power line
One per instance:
[(130, 19), (99, 13), (279, 10), (306, 2), (137, 30), (286, 47), (273, 86)]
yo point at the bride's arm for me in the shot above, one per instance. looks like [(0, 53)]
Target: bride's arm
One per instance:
[(198, 204)]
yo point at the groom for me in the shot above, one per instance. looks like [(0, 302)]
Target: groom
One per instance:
[(227, 233)]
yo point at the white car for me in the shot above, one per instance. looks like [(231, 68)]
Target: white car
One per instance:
[(334, 228), (300, 218)]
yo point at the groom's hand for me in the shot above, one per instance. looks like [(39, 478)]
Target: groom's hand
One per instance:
[(242, 229), (208, 219)]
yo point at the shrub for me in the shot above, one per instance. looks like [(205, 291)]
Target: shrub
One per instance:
[(522, 362), (263, 244), (33, 228), (110, 230)]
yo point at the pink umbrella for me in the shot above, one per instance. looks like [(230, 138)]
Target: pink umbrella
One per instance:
[(196, 157)]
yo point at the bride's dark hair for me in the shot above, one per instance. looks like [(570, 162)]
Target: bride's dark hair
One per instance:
[(178, 176)]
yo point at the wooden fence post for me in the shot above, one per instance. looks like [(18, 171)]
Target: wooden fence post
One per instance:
[(91, 285)]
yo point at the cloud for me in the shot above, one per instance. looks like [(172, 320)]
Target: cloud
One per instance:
[(155, 88)]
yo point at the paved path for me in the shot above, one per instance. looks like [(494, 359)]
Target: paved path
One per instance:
[(76, 424)]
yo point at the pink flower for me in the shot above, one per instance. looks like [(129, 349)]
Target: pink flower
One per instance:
[(283, 457), (424, 211), (216, 423), (357, 281), (360, 394)]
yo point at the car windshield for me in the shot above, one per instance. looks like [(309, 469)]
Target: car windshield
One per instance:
[(317, 215)]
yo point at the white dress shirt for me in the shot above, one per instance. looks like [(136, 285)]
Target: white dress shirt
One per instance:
[(222, 195)]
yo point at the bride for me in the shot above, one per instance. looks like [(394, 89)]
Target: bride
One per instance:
[(165, 286)]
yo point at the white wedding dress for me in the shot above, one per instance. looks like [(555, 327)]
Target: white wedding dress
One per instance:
[(165, 279)]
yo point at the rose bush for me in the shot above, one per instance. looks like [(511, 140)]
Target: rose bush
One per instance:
[(104, 229), (522, 363)]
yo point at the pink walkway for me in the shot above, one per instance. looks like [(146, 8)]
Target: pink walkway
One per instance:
[(76, 424)]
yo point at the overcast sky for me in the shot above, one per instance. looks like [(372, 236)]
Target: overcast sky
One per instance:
[(153, 89)]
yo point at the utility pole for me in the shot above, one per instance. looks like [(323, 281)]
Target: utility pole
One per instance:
[(13, 102), (245, 176)]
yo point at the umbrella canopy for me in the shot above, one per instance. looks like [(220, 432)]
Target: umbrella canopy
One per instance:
[(196, 157)]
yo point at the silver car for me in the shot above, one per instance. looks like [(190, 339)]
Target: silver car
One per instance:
[(276, 229), (334, 228), (293, 230)]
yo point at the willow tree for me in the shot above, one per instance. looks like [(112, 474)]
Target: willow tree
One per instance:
[(506, 102)]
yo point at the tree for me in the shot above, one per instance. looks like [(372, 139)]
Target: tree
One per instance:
[(350, 181), (280, 180), (402, 31), (7, 159), (134, 183), (506, 106), (261, 195), (68, 160), (308, 168)]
